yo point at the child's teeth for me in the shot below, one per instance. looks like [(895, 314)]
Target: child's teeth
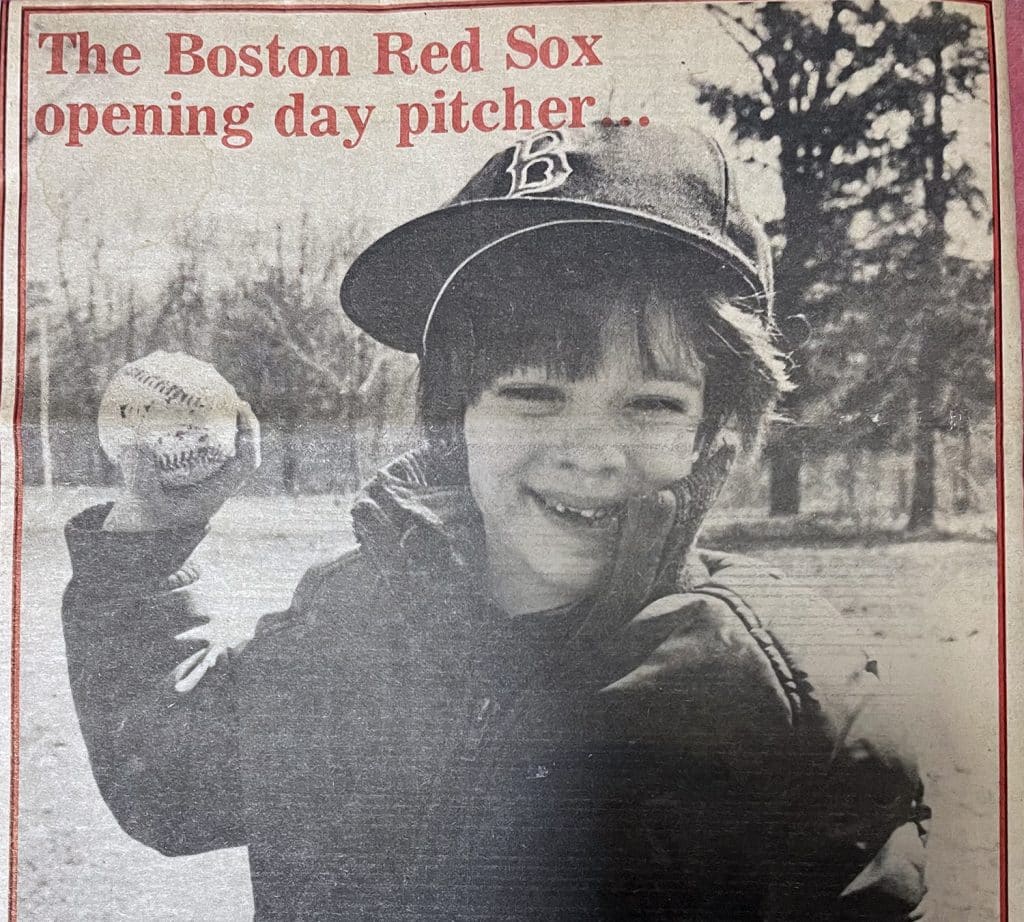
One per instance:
[(590, 515)]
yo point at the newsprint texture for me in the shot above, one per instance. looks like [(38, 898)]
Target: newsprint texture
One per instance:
[(510, 461)]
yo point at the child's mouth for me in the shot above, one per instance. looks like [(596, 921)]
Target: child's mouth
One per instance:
[(592, 516)]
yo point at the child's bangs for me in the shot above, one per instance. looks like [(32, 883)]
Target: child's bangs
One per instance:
[(568, 335), (545, 301), (562, 298)]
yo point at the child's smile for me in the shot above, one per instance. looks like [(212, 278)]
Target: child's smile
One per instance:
[(581, 513)]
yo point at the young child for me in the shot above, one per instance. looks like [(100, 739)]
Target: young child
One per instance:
[(526, 694)]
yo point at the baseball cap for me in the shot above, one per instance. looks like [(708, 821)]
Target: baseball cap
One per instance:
[(672, 182)]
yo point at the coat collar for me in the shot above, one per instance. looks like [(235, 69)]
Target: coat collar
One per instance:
[(418, 510)]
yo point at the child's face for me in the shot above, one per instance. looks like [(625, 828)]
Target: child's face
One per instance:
[(551, 461)]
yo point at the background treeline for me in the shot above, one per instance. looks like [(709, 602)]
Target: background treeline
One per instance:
[(858, 107), (330, 400), (888, 325)]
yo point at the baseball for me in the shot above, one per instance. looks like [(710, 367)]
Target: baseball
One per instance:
[(176, 409)]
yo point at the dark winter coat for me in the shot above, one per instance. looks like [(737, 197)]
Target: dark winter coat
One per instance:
[(395, 747)]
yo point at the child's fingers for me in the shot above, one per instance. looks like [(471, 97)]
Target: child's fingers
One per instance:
[(193, 633), (189, 673), (235, 471), (188, 664)]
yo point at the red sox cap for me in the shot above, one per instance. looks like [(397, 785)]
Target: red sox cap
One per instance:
[(672, 183)]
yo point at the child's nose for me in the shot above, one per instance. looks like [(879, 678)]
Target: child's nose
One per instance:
[(604, 462), (595, 449)]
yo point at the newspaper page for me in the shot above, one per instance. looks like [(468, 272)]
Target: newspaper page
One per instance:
[(509, 461)]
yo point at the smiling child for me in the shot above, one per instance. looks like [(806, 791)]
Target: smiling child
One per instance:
[(526, 694)]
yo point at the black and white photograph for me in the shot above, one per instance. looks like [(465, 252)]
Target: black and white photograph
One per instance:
[(502, 463)]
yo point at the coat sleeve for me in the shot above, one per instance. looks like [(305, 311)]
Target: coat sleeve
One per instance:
[(857, 818), (165, 759)]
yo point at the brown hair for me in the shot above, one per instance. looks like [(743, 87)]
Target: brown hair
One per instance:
[(529, 302)]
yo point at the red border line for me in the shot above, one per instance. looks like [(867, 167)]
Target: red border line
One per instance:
[(997, 267), (12, 858), (1000, 508), (18, 509), (19, 475)]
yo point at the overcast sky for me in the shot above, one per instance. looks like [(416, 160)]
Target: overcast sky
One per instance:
[(137, 192)]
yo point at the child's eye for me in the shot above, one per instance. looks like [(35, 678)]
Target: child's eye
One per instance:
[(540, 394), (659, 404)]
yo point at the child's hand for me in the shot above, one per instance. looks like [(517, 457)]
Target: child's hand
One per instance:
[(656, 534), (145, 504)]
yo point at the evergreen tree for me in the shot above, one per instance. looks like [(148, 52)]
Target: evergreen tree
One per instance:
[(856, 106)]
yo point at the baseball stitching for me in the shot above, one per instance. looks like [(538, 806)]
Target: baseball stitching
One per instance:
[(184, 446), (194, 457)]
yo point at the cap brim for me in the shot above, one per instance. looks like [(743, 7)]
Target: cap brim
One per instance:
[(390, 289)]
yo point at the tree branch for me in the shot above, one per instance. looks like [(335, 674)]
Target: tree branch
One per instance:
[(279, 330), (751, 53)]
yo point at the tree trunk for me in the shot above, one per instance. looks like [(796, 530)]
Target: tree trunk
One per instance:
[(45, 452), (784, 485), (131, 329), (901, 493), (850, 482), (926, 420), (289, 460), (922, 501), (963, 495), (353, 429), (802, 216)]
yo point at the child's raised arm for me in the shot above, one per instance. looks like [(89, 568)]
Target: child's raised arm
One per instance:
[(163, 754), (162, 744)]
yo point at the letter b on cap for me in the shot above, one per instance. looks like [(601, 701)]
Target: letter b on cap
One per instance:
[(538, 164)]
